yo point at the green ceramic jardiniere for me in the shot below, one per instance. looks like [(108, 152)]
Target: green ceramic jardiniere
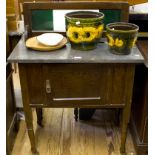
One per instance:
[(121, 37), (84, 29)]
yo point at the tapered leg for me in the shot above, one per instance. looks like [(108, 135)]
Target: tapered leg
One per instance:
[(123, 133), (29, 123), (39, 112), (26, 106), (125, 121), (127, 108), (32, 140)]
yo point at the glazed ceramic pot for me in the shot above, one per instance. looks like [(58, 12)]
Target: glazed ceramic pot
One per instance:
[(121, 37), (84, 29)]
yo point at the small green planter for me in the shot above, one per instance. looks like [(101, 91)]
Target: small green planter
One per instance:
[(121, 37), (84, 29)]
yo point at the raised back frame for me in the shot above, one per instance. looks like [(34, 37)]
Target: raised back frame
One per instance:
[(70, 5)]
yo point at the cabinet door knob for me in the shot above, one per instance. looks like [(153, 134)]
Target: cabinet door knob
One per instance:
[(48, 87)]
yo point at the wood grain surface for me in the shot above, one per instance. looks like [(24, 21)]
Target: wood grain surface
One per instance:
[(61, 135)]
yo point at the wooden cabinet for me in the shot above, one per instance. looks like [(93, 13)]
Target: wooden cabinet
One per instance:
[(87, 84), (11, 115), (139, 115), (99, 85), (58, 79)]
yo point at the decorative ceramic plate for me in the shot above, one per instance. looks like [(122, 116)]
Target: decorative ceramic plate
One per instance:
[(32, 43), (50, 39)]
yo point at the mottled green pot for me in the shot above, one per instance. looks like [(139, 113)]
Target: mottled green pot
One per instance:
[(121, 37), (84, 29)]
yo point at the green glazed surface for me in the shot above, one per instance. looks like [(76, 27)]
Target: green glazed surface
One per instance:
[(84, 29), (121, 37)]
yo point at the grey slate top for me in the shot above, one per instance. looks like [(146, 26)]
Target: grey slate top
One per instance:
[(101, 54)]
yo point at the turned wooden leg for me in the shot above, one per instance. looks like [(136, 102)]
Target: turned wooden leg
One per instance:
[(39, 112), (26, 106), (76, 114)]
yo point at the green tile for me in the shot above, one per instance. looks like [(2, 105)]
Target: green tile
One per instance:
[(42, 20), (111, 16)]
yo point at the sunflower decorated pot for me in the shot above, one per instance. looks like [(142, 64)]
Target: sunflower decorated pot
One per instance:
[(84, 29), (121, 37)]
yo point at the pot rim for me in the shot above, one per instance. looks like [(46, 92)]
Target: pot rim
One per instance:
[(85, 12), (122, 24)]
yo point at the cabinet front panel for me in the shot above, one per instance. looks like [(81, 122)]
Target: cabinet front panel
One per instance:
[(97, 84), (115, 77), (36, 83)]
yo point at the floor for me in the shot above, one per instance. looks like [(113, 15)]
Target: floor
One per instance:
[(61, 135)]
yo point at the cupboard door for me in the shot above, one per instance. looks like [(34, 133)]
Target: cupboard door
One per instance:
[(74, 81)]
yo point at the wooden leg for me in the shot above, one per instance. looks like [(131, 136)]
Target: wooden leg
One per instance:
[(76, 114), (29, 123), (127, 108), (39, 112), (123, 133), (125, 122), (32, 140), (26, 106)]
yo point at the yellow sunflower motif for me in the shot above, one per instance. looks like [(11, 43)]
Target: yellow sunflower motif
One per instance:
[(90, 34), (75, 34), (100, 30), (111, 41), (118, 42), (83, 34)]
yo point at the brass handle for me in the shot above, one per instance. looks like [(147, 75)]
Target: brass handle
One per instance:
[(48, 87)]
